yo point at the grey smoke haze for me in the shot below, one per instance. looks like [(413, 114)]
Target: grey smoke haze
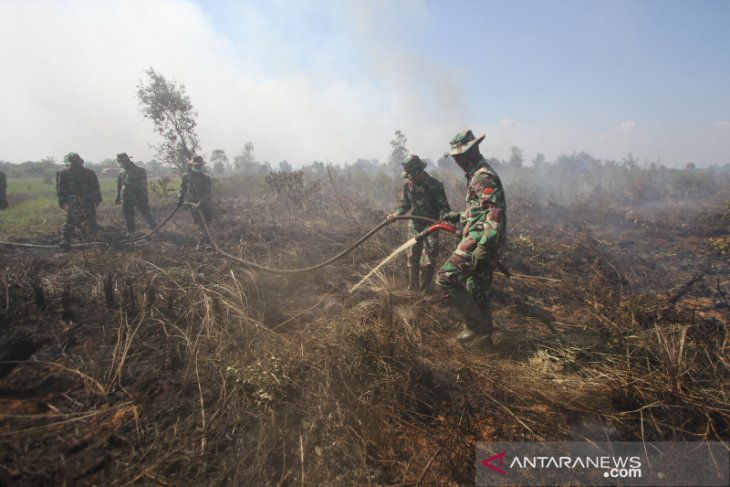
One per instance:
[(308, 81)]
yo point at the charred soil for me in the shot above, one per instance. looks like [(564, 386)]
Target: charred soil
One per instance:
[(159, 364)]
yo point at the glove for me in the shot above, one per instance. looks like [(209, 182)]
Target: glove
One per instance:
[(391, 217), (117, 201), (452, 217), (179, 203), (481, 257)]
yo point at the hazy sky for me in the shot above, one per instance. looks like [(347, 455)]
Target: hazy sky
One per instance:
[(333, 80)]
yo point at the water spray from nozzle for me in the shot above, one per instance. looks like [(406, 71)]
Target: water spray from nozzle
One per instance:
[(445, 227)]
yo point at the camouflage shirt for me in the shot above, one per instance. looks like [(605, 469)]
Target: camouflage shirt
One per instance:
[(132, 181), (425, 199), (196, 186), (77, 185), (485, 205)]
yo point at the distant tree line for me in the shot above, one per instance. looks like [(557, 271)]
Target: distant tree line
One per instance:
[(247, 165), (46, 168)]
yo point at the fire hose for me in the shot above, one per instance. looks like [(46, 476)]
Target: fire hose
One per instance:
[(90, 244), (325, 263), (436, 226)]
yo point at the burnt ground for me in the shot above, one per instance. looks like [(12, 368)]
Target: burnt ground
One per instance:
[(159, 364)]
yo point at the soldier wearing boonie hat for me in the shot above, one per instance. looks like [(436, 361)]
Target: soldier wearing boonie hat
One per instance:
[(422, 195), (466, 277), (77, 189), (132, 192), (197, 188)]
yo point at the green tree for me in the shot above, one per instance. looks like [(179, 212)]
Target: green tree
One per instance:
[(517, 157), (398, 152), (220, 160), (630, 162), (168, 106), (539, 160), (244, 163), (155, 168)]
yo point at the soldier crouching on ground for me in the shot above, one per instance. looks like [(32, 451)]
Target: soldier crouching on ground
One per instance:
[(196, 189), (78, 194), (422, 195), (132, 192), (466, 277)]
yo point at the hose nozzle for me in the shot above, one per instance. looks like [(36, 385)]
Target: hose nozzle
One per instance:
[(445, 227)]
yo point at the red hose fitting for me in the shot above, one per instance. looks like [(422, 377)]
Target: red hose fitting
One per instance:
[(445, 227)]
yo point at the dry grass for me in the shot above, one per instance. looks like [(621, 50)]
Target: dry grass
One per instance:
[(162, 366)]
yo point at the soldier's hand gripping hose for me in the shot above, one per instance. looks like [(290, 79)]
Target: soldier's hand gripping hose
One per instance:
[(452, 217), (434, 228)]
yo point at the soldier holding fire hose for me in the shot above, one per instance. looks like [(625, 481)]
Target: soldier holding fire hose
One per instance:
[(196, 189), (422, 195), (466, 277)]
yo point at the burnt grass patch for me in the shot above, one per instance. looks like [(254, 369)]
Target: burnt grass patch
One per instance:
[(160, 364)]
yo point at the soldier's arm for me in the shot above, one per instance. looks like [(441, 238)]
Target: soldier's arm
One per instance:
[(209, 187), (442, 202), (143, 183), (60, 189), (94, 183), (120, 182), (183, 190), (489, 191)]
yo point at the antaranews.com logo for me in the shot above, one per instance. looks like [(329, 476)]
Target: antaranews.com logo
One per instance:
[(613, 467), (602, 463)]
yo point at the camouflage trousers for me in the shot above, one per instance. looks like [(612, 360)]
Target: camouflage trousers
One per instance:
[(425, 252), (458, 274), (205, 208), (82, 217), (129, 203)]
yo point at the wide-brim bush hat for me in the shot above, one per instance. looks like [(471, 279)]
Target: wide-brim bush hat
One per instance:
[(463, 141)]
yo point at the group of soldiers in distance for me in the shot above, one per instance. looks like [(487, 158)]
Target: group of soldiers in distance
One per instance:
[(78, 194), (465, 278)]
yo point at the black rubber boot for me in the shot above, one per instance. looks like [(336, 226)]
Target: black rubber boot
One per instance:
[(413, 278), (66, 244), (427, 279), (150, 220), (477, 324)]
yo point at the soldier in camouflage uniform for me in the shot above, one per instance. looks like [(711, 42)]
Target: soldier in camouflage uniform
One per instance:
[(132, 192), (466, 277), (3, 187), (78, 194), (422, 195), (196, 187)]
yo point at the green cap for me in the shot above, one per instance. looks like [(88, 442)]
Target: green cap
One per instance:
[(72, 158), (413, 165)]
